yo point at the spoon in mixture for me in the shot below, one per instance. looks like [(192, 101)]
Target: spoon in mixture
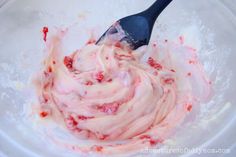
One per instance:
[(136, 29)]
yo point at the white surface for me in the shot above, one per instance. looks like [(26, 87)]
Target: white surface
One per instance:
[(208, 25)]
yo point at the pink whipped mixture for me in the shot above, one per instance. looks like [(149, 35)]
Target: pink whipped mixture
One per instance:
[(123, 100)]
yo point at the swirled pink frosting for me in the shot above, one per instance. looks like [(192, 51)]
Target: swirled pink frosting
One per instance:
[(112, 94)]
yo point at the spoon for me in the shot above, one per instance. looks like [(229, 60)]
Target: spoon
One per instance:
[(136, 28)]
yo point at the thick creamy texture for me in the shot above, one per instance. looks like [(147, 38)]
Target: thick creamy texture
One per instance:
[(123, 100)]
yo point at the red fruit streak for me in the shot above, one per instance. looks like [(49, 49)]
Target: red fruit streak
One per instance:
[(103, 137), (154, 64), (84, 117), (45, 32), (145, 137), (89, 83), (154, 142), (120, 56), (118, 44), (110, 80), (49, 69), (97, 148), (43, 114), (169, 81)]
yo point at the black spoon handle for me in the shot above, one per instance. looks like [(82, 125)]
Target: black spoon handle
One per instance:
[(155, 10)]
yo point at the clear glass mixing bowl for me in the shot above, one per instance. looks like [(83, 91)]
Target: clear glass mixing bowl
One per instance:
[(213, 125)]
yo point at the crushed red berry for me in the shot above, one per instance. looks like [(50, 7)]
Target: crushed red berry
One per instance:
[(71, 123), (43, 114), (68, 61), (155, 142), (99, 76), (154, 64), (109, 108), (189, 108)]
